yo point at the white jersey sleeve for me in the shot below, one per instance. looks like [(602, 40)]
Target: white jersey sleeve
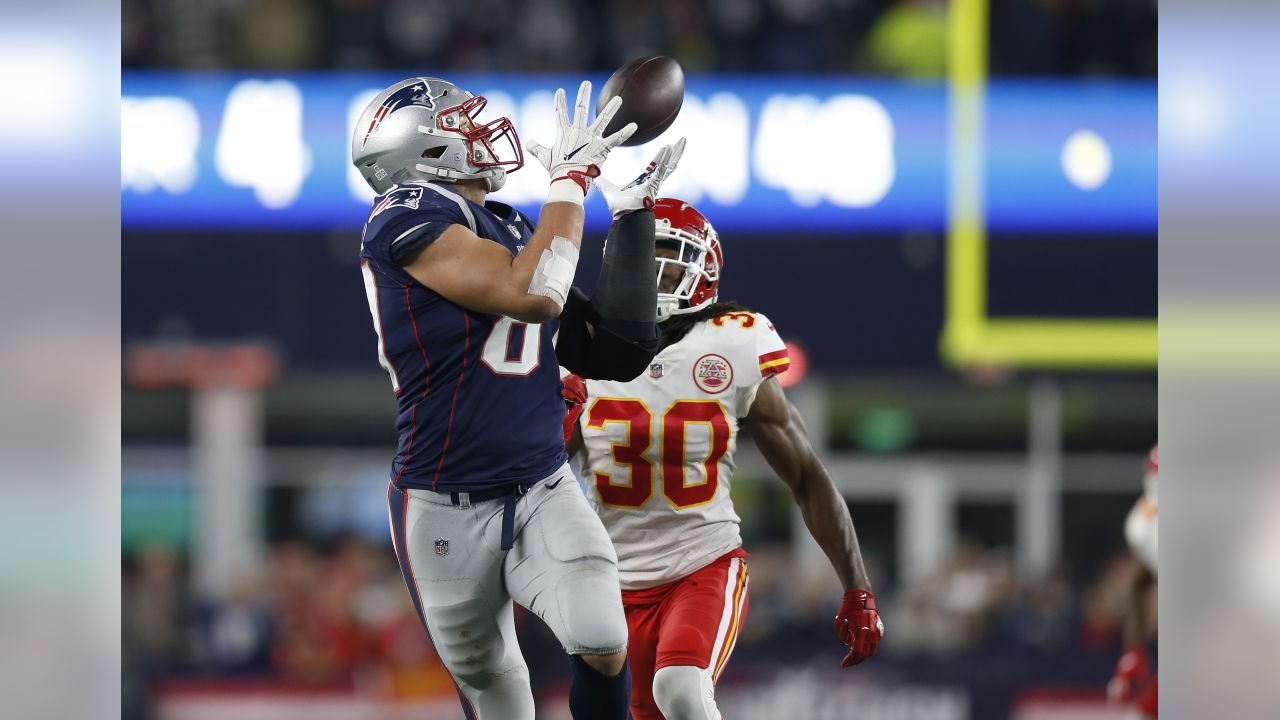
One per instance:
[(765, 354), (658, 450)]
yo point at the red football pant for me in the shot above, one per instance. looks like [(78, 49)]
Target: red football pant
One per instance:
[(1149, 701), (692, 621)]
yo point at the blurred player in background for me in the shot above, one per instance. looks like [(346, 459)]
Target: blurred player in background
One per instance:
[(659, 450), (465, 294), (1133, 678)]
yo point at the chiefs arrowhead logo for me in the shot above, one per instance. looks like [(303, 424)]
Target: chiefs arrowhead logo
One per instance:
[(712, 374)]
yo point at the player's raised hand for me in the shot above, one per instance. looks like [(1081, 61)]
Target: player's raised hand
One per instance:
[(642, 191), (859, 626), (574, 159)]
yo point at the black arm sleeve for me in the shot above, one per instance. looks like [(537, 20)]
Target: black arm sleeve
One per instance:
[(627, 291), (623, 312)]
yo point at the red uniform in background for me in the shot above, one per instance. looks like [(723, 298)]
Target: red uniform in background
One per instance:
[(1133, 679)]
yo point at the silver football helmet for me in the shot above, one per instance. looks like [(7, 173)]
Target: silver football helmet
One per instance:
[(426, 129)]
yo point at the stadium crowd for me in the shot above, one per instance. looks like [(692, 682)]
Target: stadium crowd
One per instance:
[(895, 37)]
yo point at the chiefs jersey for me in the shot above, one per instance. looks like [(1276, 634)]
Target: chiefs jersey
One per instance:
[(659, 449), (1141, 527)]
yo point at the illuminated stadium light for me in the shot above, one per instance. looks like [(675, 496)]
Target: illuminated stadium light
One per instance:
[(260, 145), (856, 137), (715, 163), (159, 138), (1086, 160)]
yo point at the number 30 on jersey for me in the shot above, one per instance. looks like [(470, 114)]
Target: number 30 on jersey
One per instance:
[(678, 489)]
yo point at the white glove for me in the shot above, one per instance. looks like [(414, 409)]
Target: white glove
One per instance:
[(574, 159), (641, 192)]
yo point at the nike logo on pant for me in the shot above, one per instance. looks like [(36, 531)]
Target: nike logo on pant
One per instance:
[(554, 485)]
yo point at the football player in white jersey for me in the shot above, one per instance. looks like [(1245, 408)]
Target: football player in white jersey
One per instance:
[(1133, 679), (658, 453)]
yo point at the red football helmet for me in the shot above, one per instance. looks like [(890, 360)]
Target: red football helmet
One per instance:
[(698, 255)]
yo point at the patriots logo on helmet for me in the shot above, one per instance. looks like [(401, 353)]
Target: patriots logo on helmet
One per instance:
[(418, 94)]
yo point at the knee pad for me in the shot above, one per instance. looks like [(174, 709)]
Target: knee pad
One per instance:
[(591, 611), (587, 616), (685, 692)]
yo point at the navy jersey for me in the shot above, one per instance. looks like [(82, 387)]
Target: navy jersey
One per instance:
[(479, 394)]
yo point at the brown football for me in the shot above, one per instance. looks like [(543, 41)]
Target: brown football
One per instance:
[(652, 90)]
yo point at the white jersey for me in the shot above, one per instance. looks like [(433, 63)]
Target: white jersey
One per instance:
[(1141, 527), (659, 449)]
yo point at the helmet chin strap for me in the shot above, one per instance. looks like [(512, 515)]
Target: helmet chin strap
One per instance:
[(667, 307), (494, 178)]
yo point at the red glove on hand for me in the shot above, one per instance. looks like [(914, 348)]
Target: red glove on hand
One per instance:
[(1132, 672), (859, 626), (575, 397)]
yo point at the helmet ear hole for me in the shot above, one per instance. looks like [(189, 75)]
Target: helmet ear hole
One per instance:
[(434, 153)]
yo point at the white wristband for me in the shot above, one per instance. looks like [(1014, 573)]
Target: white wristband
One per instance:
[(554, 274), (566, 190)]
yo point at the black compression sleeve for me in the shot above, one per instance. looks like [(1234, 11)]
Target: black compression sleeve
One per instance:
[(599, 352), (623, 311), (626, 297)]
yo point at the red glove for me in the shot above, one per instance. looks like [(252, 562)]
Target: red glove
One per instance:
[(1132, 672), (859, 626), (575, 397)]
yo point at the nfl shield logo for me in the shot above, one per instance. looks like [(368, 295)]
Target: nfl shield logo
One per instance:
[(655, 370), (442, 547)]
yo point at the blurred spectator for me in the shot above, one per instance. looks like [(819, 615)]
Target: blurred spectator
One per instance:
[(1028, 37), (155, 608), (910, 39), (361, 30), (279, 35), (236, 633), (404, 662), (1103, 603)]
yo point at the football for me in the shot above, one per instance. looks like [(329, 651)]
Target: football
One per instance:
[(652, 91)]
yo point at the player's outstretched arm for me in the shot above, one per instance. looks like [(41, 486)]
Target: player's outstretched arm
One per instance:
[(482, 276), (534, 285), (779, 432), (614, 334)]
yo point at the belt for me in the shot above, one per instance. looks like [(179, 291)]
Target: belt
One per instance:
[(512, 494)]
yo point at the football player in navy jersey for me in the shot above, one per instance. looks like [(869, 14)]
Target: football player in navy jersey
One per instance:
[(475, 311)]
